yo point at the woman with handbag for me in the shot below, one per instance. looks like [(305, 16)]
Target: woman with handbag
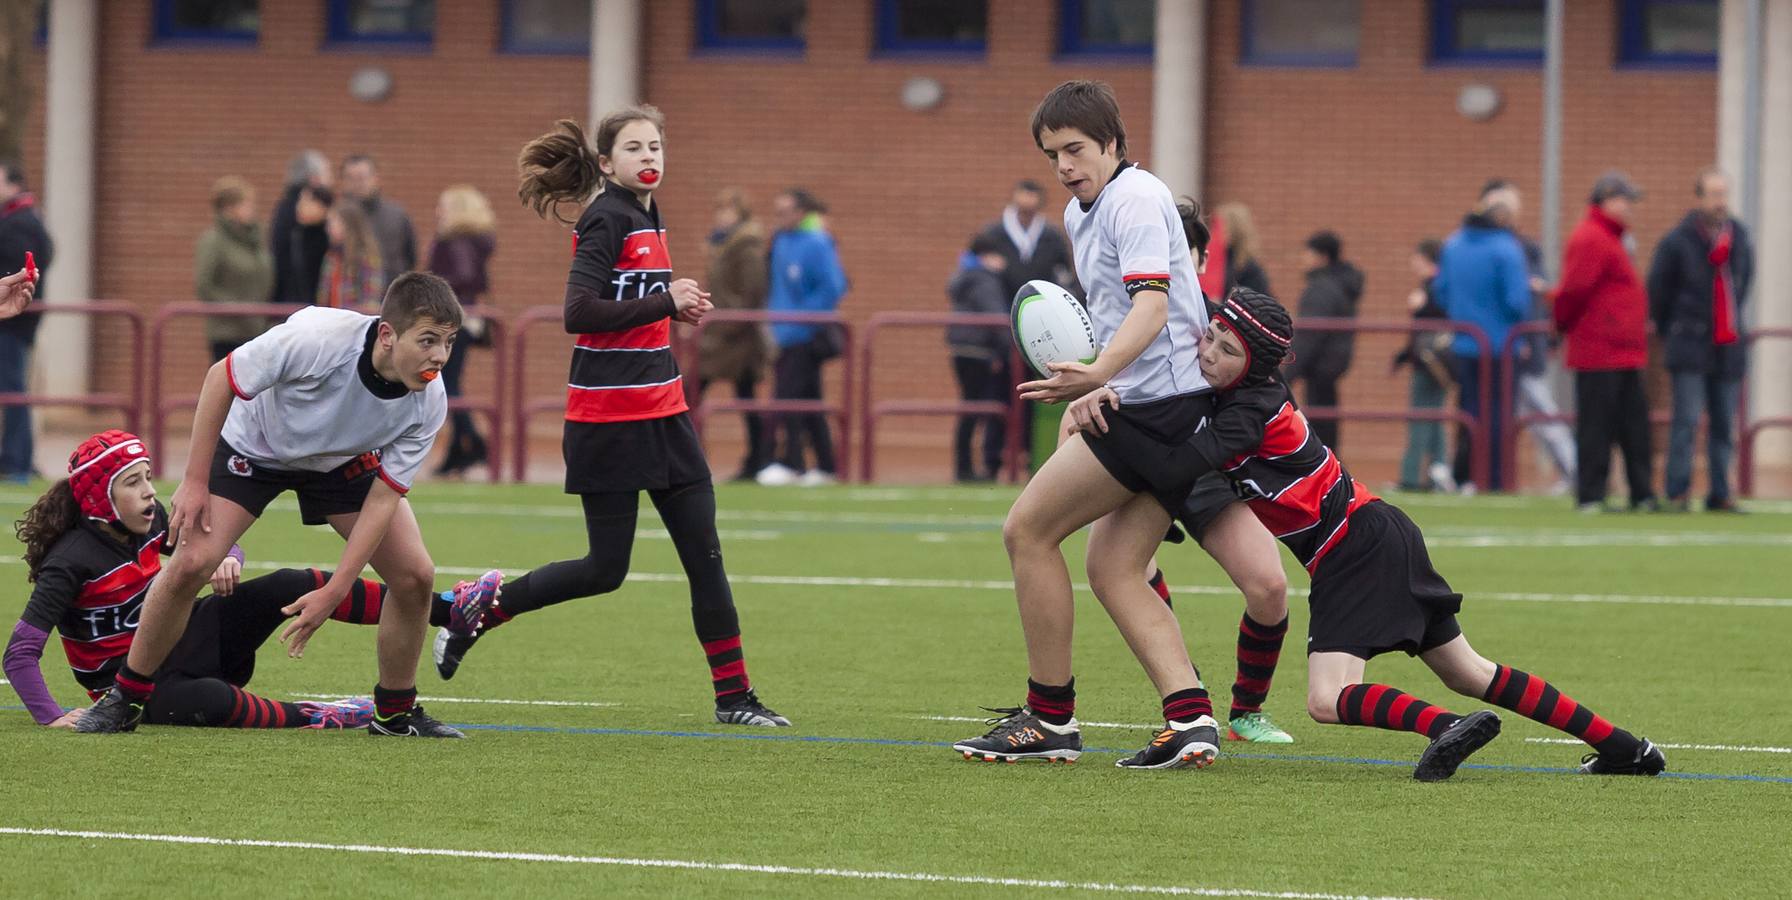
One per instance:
[(465, 239)]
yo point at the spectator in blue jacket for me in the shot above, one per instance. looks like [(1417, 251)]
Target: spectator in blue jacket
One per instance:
[(805, 277), (1483, 279)]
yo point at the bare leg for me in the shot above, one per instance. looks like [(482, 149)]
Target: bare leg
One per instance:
[(1460, 668), (1249, 555), (183, 576), (404, 564), (1327, 676), (1118, 544), (1071, 490)]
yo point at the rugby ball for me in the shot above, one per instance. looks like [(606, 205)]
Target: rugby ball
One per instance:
[(1050, 326)]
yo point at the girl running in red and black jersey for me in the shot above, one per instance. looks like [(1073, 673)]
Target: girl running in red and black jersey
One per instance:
[(1374, 590), (627, 429), (94, 541)]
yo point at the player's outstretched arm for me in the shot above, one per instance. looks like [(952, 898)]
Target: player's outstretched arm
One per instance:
[(314, 608), (192, 499)]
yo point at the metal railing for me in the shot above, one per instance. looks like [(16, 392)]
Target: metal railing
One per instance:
[(129, 403), (870, 410), (1480, 447), (773, 410)]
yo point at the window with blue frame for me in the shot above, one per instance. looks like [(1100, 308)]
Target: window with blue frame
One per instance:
[(932, 26), (1317, 33), (769, 25), (546, 26), (382, 23), (1487, 31), (207, 21), (1117, 27), (1668, 33)]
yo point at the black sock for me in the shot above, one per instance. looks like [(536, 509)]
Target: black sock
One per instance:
[(134, 686), (438, 608), (1052, 703), (1187, 705), (391, 703)]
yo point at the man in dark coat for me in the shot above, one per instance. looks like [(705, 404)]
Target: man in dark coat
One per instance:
[(1698, 285), (1033, 247), (1334, 288), (980, 358), (21, 232), (296, 234)]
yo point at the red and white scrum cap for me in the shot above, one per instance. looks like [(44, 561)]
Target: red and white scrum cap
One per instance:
[(96, 464)]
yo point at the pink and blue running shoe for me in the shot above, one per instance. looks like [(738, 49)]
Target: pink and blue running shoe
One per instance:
[(355, 712), (470, 601)]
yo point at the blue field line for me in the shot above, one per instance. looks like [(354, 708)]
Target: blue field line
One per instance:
[(897, 742)]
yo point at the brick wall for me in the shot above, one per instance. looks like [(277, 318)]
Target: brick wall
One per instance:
[(1376, 152)]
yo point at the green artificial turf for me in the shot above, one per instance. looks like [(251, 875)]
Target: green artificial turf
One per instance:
[(865, 612)]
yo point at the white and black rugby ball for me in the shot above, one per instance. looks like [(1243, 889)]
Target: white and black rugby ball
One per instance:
[(1050, 326)]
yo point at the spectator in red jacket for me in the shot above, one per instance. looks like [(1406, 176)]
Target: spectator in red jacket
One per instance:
[(1601, 310)]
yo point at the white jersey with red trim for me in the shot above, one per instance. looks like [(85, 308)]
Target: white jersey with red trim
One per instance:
[(1131, 239), (307, 399)]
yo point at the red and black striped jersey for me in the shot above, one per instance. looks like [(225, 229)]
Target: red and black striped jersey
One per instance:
[(619, 251), (1258, 438), (90, 590)]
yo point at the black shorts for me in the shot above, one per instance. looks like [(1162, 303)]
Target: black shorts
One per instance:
[(1212, 494), (253, 486), (211, 646), (1376, 591), (649, 455), (1146, 447)]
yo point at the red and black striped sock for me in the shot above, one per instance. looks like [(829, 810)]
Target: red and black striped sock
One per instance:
[(1187, 705), (1381, 706), (1528, 695), (389, 703), (362, 607), (727, 666), (250, 711), (135, 687), (1259, 649), (1162, 588), (1052, 703)]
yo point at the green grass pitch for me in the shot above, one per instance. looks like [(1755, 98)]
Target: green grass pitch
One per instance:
[(871, 617)]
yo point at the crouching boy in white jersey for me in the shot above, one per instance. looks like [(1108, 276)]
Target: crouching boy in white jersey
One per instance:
[(340, 408)]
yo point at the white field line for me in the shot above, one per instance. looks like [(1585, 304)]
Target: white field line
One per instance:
[(965, 584), (1727, 748), (683, 864), (1456, 536), (579, 703)]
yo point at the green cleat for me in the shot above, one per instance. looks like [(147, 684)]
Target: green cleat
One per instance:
[(1258, 729)]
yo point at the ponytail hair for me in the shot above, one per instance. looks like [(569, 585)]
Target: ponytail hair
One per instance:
[(561, 166), (52, 516), (558, 167)]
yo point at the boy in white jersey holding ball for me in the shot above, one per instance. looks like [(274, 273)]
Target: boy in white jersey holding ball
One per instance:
[(341, 408), (1132, 257)]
